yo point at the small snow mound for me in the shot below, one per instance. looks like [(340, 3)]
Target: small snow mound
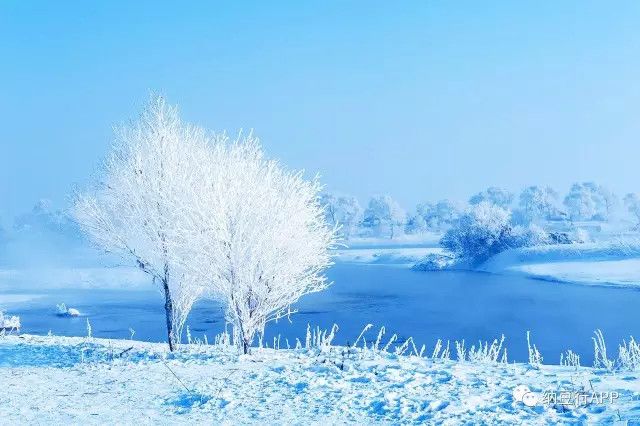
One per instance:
[(63, 311)]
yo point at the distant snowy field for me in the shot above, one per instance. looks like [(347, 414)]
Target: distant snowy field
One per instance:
[(58, 380)]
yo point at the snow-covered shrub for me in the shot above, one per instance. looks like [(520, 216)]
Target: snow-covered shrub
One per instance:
[(481, 232), (9, 322), (485, 230), (434, 262), (263, 241), (144, 205), (579, 236), (529, 236), (570, 359), (629, 355), (483, 353)]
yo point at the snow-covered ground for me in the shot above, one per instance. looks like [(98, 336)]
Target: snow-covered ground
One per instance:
[(57, 380), (605, 263)]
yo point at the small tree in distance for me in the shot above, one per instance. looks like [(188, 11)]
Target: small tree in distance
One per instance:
[(538, 203), (383, 213), (343, 211), (632, 203)]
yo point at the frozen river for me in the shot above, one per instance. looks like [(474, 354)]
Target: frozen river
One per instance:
[(425, 305)]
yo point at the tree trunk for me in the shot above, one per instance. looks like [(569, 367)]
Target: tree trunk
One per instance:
[(245, 346), (168, 308)]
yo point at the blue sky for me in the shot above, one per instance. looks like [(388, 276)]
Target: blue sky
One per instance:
[(422, 100)]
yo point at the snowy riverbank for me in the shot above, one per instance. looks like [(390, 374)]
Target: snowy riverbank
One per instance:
[(95, 381), (406, 256), (613, 264)]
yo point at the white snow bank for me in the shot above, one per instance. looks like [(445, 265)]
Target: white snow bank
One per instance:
[(55, 380), (622, 273)]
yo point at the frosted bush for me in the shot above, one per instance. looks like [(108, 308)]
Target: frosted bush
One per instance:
[(481, 232), (629, 355), (528, 236), (483, 353), (580, 236), (570, 359), (485, 230), (434, 262), (9, 322)]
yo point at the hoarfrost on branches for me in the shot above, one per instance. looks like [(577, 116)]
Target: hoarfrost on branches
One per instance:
[(138, 207), (265, 242), (384, 214)]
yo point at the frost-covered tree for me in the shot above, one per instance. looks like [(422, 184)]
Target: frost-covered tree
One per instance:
[(416, 224), (482, 231), (433, 216), (343, 211), (538, 203), (494, 195), (384, 213), (609, 201), (589, 201), (440, 215), (632, 203), (140, 207), (265, 242)]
